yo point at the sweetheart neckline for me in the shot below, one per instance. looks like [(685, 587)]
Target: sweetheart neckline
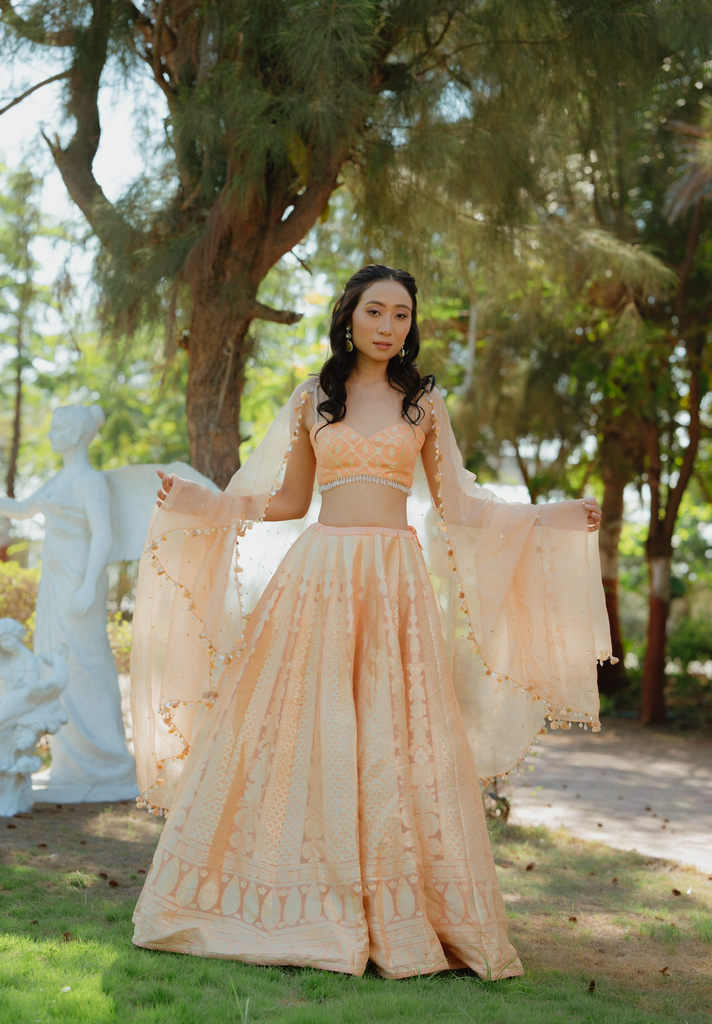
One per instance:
[(368, 437)]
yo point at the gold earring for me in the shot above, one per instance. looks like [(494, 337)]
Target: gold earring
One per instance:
[(402, 353), (349, 342)]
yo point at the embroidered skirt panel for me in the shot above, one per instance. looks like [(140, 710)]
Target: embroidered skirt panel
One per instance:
[(329, 811)]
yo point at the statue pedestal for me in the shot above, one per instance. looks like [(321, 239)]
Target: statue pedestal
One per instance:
[(45, 791)]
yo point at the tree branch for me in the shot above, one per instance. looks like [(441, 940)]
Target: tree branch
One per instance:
[(28, 92), (75, 161), (157, 27), (277, 316), (706, 492), (693, 434), (307, 206), (693, 240), (152, 33), (34, 32)]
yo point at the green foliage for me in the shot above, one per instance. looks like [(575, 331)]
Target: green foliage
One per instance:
[(119, 630), (18, 595)]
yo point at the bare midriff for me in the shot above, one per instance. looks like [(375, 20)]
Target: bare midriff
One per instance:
[(364, 504)]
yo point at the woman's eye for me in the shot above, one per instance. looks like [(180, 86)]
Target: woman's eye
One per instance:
[(372, 311)]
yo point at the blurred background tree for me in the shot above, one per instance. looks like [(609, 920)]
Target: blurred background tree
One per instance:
[(527, 162)]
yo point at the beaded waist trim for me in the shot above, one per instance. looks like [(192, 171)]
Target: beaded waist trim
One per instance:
[(365, 478)]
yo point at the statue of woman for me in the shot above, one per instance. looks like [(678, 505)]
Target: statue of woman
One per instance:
[(90, 751)]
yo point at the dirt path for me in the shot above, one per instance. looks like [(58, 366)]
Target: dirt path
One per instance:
[(630, 787)]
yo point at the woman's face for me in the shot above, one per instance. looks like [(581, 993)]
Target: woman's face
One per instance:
[(381, 320)]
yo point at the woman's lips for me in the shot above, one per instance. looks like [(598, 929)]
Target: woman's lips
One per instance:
[(382, 344)]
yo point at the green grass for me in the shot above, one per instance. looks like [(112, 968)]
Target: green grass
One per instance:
[(624, 934)]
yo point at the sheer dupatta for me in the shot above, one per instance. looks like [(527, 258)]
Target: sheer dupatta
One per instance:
[(518, 587)]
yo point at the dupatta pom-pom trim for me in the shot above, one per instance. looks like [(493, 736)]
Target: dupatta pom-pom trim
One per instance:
[(559, 717), (166, 710)]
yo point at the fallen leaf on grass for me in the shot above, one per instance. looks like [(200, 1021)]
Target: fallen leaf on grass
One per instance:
[(614, 881), (664, 970), (676, 892), (82, 842), (574, 919), (68, 937), (530, 867), (42, 846), (113, 883), (103, 874), (592, 986), (141, 871), (11, 826)]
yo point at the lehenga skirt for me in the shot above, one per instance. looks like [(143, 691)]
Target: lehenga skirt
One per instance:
[(329, 812)]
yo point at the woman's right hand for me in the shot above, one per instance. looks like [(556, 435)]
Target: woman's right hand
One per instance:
[(165, 488)]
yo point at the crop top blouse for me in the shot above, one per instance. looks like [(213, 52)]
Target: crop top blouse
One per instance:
[(344, 456)]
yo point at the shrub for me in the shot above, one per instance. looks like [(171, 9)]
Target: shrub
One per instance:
[(119, 631), (18, 596)]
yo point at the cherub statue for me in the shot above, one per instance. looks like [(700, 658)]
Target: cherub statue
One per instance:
[(91, 518), (29, 708)]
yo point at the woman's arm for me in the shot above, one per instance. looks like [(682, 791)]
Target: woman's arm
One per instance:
[(293, 498), (291, 501), (430, 465)]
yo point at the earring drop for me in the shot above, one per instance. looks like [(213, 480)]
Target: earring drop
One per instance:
[(402, 353), (349, 342)]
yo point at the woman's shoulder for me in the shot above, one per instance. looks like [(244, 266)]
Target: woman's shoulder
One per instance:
[(306, 389), (304, 399)]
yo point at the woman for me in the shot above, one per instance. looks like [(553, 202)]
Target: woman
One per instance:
[(328, 809)]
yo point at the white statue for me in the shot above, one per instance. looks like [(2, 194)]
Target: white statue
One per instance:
[(29, 708), (91, 518)]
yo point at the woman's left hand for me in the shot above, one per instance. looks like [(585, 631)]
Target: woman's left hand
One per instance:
[(594, 514)]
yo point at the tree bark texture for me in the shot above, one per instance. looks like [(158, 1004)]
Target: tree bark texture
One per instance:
[(611, 677), (15, 447), (653, 706), (217, 352)]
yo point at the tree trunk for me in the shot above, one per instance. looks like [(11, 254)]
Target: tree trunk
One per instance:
[(653, 703), (16, 430), (611, 678), (218, 347)]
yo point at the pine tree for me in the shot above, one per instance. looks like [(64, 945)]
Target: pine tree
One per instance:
[(22, 298), (269, 103)]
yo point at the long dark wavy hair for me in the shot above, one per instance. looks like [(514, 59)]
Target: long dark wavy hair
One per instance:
[(403, 374)]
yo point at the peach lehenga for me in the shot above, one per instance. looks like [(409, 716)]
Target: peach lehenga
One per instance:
[(318, 755)]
